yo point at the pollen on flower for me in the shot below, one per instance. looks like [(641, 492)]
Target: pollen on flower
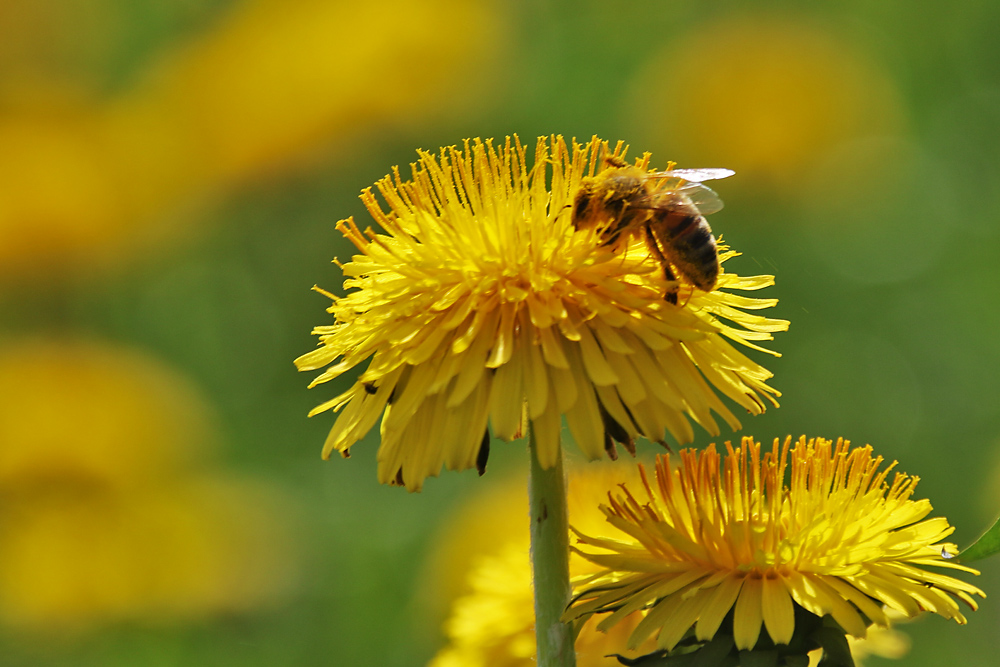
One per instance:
[(479, 306), (726, 537)]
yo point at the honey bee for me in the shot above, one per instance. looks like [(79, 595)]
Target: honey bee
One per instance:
[(667, 208)]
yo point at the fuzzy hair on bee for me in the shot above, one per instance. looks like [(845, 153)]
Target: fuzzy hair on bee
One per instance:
[(666, 209)]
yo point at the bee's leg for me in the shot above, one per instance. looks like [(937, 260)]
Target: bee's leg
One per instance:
[(668, 274), (617, 224), (587, 211)]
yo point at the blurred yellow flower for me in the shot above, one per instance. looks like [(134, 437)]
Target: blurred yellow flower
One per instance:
[(882, 642), (492, 623), (466, 537), (274, 84), (480, 303), (837, 540), (768, 97), (278, 78), (59, 192), (91, 416), (110, 510), (186, 549)]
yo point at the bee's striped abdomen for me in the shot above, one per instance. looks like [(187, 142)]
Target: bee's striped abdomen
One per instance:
[(691, 248)]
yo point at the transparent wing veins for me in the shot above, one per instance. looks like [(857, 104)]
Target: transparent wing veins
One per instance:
[(703, 198)]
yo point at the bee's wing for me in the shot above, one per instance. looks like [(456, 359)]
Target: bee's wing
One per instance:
[(703, 197), (697, 175)]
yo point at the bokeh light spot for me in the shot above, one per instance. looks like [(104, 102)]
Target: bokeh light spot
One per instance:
[(766, 97)]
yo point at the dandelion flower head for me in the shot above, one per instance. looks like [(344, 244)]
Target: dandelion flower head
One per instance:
[(480, 306), (838, 539), (492, 623), (111, 511)]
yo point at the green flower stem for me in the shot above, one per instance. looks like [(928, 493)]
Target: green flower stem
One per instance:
[(550, 561)]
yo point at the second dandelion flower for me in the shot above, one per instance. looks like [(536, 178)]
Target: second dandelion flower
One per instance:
[(721, 550), (480, 305)]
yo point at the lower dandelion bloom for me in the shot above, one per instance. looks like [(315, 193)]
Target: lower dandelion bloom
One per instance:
[(838, 540), (492, 624), (480, 305)]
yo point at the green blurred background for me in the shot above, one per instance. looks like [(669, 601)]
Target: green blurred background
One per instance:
[(170, 176)]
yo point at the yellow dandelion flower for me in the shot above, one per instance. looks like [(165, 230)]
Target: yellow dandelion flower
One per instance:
[(480, 303), (126, 420), (783, 94), (492, 622), (112, 511), (199, 547), (839, 540)]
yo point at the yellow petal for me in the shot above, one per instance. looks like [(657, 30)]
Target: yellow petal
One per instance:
[(749, 614), (779, 615)]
